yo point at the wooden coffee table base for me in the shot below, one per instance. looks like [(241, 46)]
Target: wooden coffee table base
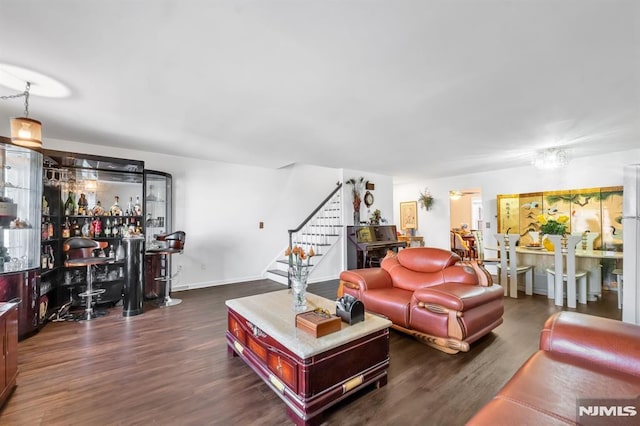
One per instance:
[(310, 384)]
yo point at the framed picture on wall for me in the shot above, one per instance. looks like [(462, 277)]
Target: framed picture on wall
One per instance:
[(409, 215)]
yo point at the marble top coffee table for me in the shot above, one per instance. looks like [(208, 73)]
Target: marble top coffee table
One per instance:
[(309, 374)]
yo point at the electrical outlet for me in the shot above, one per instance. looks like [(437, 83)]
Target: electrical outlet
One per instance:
[(488, 225), (203, 266), (261, 225)]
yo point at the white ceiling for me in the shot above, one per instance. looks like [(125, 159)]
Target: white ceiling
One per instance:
[(400, 87)]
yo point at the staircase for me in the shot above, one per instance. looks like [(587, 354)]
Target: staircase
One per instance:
[(320, 230)]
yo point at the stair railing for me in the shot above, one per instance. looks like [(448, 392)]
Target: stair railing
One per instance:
[(315, 237)]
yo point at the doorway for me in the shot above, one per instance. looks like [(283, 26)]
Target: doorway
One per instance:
[(465, 216), (465, 209)]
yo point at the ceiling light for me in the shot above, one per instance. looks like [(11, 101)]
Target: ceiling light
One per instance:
[(25, 131), (551, 158)]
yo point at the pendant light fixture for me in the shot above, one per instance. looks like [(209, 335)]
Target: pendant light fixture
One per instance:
[(25, 131)]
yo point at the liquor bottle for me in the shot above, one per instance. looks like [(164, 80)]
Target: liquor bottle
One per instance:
[(75, 229), (97, 227), (52, 259), (97, 209), (45, 229), (137, 207), (115, 229), (66, 231), (70, 205), (130, 207), (85, 228), (116, 210), (50, 229), (83, 205), (120, 252), (45, 206), (44, 259)]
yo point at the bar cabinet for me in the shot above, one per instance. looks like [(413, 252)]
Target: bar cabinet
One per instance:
[(20, 227)]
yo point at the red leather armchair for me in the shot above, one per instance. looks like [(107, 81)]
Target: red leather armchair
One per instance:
[(581, 357), (430, 294)]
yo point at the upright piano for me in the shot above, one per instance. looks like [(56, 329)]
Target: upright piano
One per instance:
[(369, 243)]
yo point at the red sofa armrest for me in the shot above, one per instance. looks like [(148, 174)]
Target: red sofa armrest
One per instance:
[(456, 296), (366, 279), (606, 342)]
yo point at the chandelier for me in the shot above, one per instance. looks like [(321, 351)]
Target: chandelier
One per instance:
[(551, 158)]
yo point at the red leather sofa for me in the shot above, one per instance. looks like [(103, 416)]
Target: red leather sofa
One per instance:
[(580, 357), (430, 294)]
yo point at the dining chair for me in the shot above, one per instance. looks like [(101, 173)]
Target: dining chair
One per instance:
[(461, 247), (508, 268)]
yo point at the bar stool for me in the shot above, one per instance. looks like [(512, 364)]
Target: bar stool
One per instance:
[(171, 244), (79, 251), (618, 273)]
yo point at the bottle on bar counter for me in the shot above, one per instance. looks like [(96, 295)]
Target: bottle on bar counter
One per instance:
[(96, 225), (116, 210), (137, 208), (70, 205), (66, 228), (83, 205)]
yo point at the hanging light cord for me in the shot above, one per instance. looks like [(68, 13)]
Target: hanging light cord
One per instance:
[(19, 95)]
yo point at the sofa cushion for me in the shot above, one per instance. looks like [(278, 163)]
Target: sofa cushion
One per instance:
[(548, 386), (427, 259), (464, 274), (413, 268), (391, 302)]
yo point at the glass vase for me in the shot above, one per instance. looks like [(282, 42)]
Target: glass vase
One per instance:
[(298, 277)]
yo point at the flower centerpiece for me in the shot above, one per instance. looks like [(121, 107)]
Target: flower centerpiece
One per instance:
[(549, 226), (299, 264), (553, 226)]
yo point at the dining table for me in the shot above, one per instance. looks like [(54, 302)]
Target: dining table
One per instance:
[(597, 263)]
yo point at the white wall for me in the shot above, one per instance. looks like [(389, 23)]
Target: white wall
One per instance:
[(461, 211)]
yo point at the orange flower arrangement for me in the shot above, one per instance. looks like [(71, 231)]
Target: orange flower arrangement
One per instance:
[(297, 258)]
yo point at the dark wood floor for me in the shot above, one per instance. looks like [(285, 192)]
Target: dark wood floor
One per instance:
[(169, 367)]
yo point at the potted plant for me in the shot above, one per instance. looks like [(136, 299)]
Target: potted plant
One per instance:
[(549, 226), (426, 200), (376, 217)]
